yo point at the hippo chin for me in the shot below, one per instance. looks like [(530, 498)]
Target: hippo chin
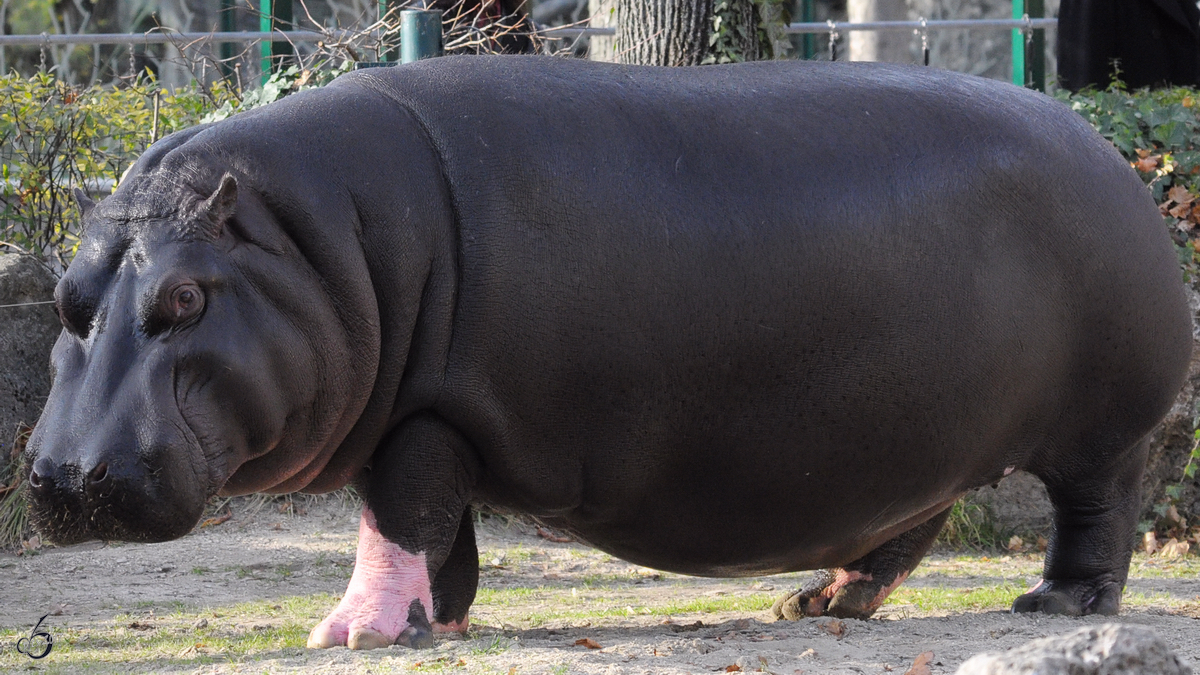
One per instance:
[(611, 298)]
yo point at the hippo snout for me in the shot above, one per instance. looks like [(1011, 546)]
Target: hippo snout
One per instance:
[(74, 500)]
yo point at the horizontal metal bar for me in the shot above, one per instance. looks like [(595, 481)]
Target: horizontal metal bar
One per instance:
[(574, 31), (92, 186), (159, 38), (932, 24), (46, 39)]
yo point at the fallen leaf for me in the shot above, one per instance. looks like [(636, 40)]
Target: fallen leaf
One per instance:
[(1015, 543), (807, 653), (835, 627), (512, 671), (1180, 195), (210, 522), (1149, 543), (920, 664), (1180, 211), (549, 535), (735, 668), (1147, 164), (1174, 549), (588, 642), (1042, 543), (1188, 101)]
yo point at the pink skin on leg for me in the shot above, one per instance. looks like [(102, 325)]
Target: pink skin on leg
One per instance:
[(374, 610), (453, 626)]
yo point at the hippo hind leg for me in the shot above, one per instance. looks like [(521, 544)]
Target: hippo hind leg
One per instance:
[(1095, 526), (858, 589)]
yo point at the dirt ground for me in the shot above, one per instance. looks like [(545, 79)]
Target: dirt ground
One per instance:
[(539, 602)]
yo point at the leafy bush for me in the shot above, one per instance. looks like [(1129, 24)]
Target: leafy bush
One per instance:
[(280, 84), (1159, 133), (54, 137)]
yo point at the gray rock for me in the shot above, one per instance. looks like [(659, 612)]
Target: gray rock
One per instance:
[(1018, 505), (26, 336), (1107, 649)]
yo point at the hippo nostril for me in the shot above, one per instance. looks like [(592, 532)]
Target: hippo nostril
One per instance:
[(99, 472), (39, 476)]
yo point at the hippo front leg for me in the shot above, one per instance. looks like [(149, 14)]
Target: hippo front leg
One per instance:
[(414, 560)]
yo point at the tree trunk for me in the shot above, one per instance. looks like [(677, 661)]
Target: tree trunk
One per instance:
[(602, 14), (664, 32), (688, 32), (893, 46)]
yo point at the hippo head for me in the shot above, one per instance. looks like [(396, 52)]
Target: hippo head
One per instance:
[(200, 355)]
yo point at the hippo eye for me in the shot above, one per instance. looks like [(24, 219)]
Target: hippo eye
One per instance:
[(185, 301)]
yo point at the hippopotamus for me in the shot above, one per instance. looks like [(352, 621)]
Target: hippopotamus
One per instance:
[(724, 321)]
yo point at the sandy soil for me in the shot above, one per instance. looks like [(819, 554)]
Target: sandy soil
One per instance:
[(538, 599)]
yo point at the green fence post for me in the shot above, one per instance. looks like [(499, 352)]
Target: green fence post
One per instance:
[(274, 15), (388, 7), (808, 40), (1029, 53), (228, 25), (420, 34), (1018, 45), (1035, 61)]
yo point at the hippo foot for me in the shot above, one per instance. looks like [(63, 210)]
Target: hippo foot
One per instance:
[(387, 602), (1072, 598), (846, 594)]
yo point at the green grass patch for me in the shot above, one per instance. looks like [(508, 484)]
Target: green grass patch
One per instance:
[(970, 526), (980, 598), (558, 604), (1147, 567), (965, 566), (179, 638)]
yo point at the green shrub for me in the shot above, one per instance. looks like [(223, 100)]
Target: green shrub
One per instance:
[(1158, 132), (54, 137)]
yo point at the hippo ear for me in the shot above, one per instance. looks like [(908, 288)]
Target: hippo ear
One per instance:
[(85, 202), (221, 205)]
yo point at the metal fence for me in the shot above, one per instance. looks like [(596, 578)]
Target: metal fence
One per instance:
[(419, 33)]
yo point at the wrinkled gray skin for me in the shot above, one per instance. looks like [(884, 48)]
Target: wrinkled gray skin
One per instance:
[(730, 320)]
